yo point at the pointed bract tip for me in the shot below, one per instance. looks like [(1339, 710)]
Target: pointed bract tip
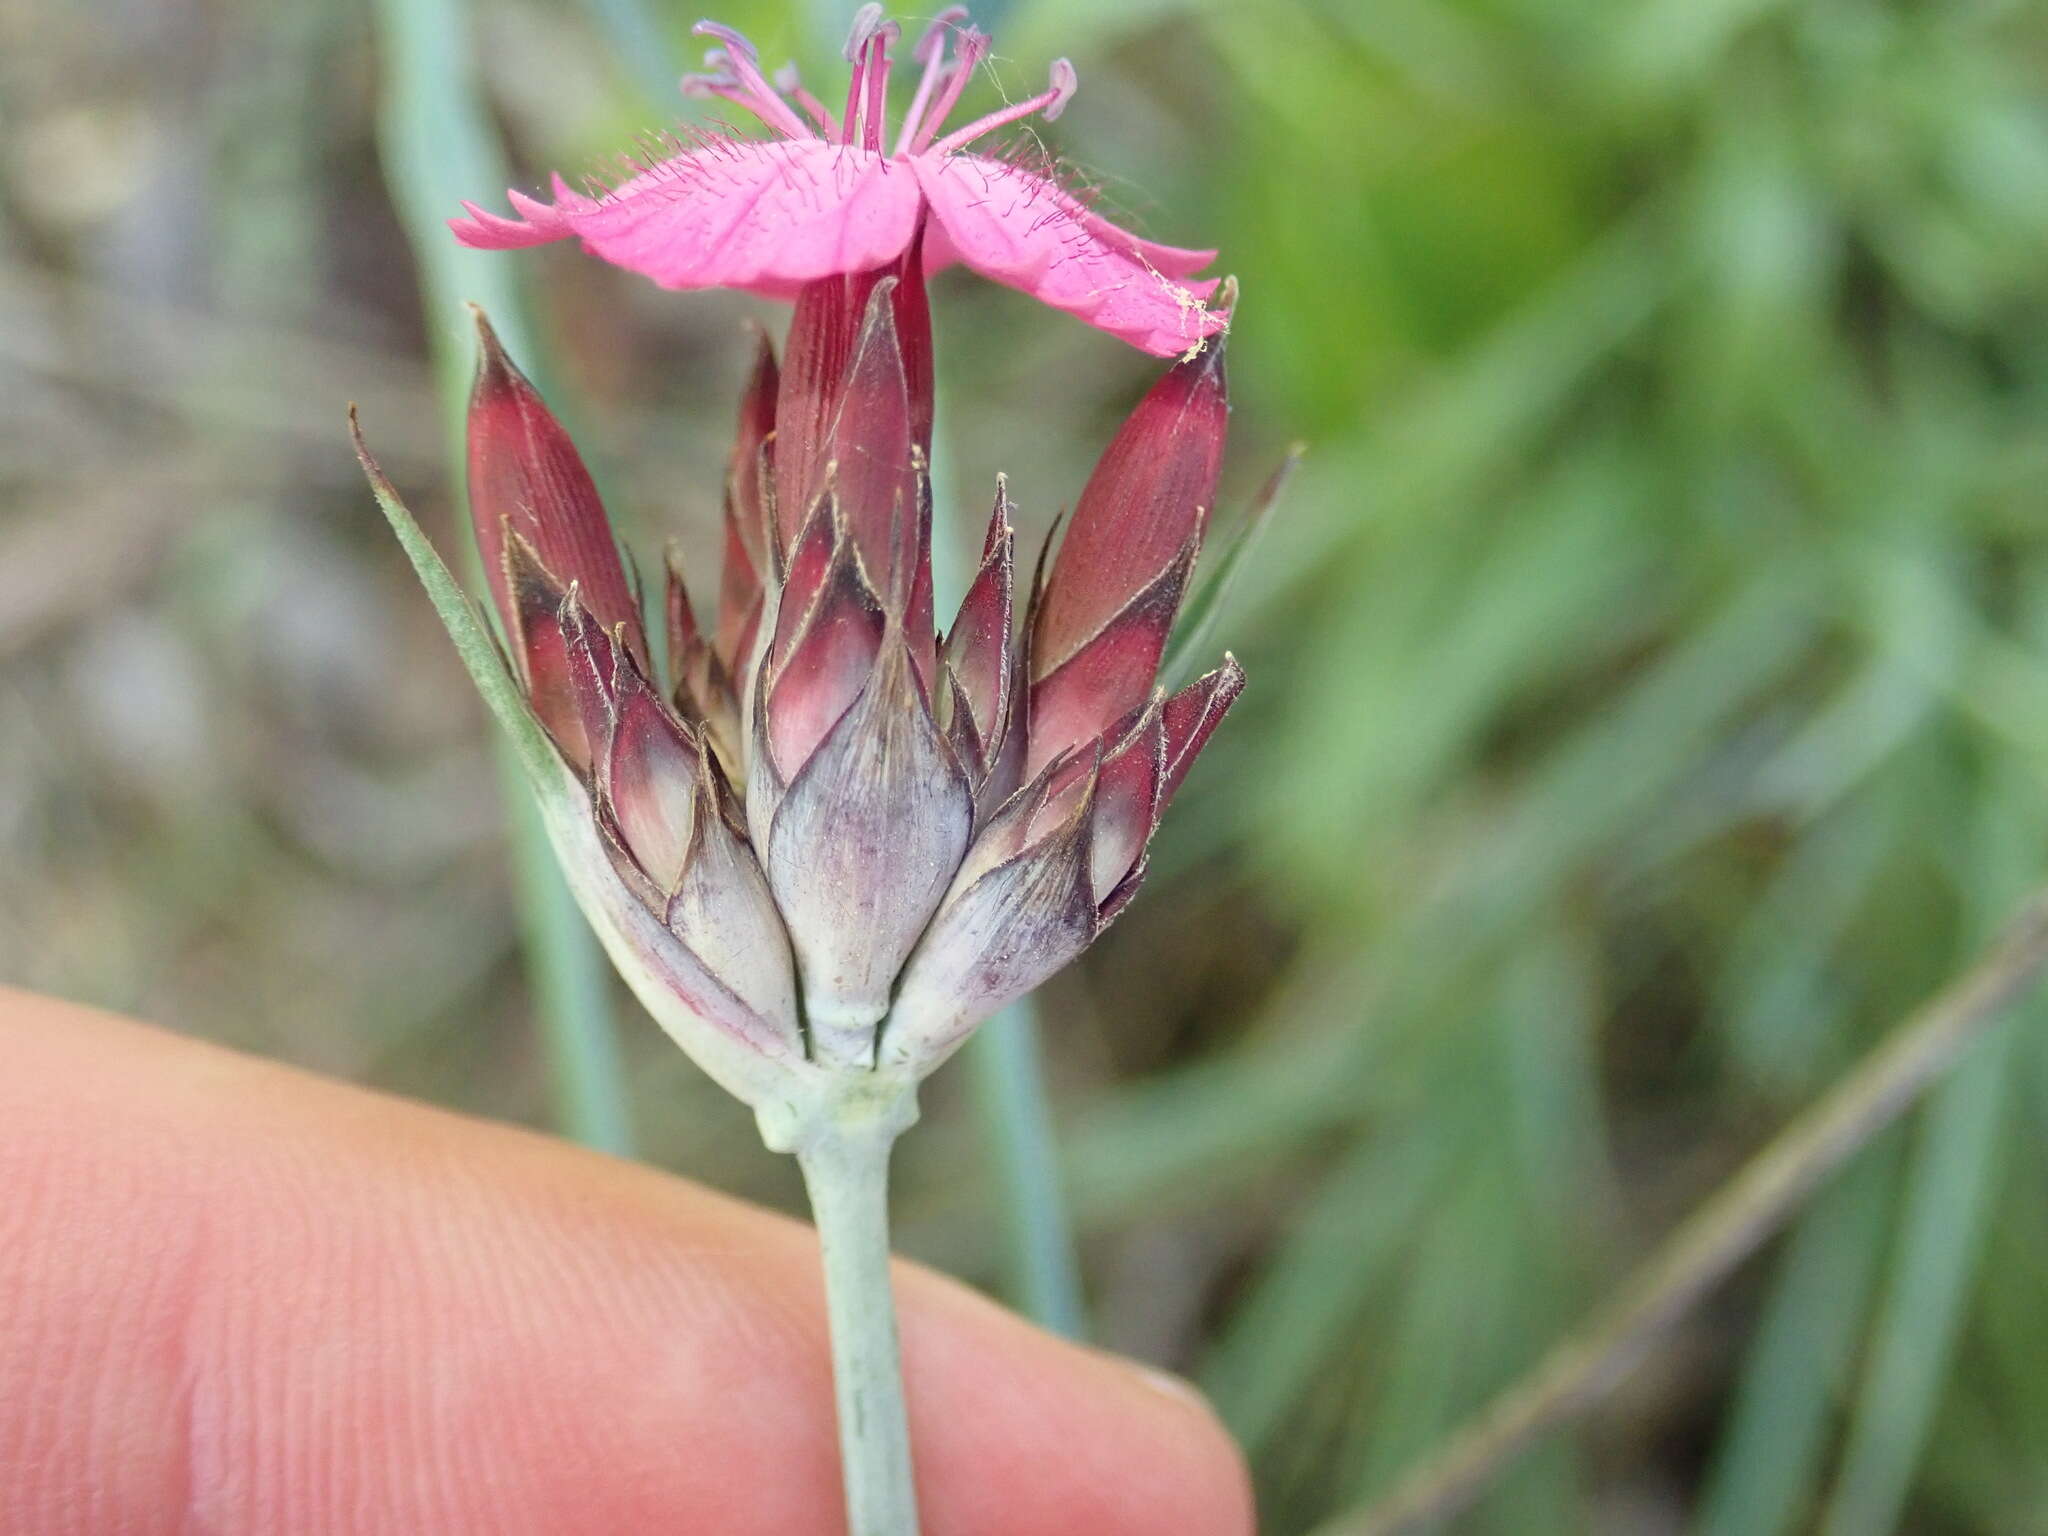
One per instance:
[(1062, 83), (379, 481), (491, 359)]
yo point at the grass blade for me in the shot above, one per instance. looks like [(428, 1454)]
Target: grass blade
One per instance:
[(437, 149), (1768, 1463), (1006, 1066)]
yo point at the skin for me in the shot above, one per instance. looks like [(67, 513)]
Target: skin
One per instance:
[(235, 1298)]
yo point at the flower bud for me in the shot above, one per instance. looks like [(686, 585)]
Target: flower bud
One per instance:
[(1116, 585), (931, 826), (528, 487), (860, 805)]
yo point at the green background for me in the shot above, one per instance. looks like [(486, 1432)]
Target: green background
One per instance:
[(1649, 668)]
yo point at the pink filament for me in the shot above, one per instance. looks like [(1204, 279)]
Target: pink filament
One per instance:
[(878, 93), (761, 98), (974, 46), (1049, 101), (931, 52)]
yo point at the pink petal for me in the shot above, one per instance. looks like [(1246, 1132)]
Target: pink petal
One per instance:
[(538, 223), (1023, 229), (762, 215)]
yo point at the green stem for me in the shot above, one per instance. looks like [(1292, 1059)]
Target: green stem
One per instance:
[(845, 1163), (1007, 1067), (438, 148), (570, 979)]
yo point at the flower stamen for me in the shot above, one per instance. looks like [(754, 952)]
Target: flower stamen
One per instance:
[(790, 84), (931, 53), (1049, 104), (879, 64), (974, 47), (867, 21), (755, 93)]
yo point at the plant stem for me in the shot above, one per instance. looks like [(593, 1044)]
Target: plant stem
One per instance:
[(438, 148), (1727, 1229), (1016, 1116), (845, 1163)]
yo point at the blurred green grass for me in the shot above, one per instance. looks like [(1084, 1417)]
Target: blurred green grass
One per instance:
[(1649, 702)]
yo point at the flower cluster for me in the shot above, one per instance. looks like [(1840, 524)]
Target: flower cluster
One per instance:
[(836, 835), (832, 193)]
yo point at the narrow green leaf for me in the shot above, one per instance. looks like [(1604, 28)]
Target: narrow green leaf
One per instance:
[(1343, 1244), (1767, 1465), (1008, 1072), (466, 628), (1949, 1192)]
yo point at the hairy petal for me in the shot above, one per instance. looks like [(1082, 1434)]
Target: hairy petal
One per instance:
[(537, 222), (766, 216), (1021, 228)]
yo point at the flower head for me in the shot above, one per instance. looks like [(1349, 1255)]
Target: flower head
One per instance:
[(835, 838), (833, 193)]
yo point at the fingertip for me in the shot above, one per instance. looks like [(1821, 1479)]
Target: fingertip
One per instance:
[(237, 1291), (1074, 1439)]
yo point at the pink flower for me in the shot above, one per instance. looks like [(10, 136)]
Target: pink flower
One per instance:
[(831, 194), (828, 834)]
